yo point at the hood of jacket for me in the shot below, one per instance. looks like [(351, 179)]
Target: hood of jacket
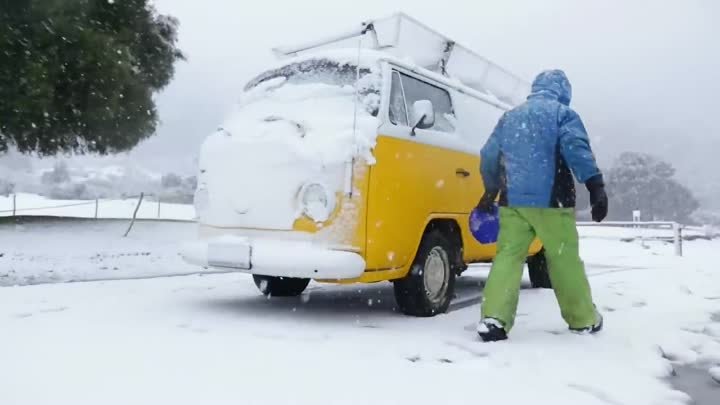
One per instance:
[(552, 84)]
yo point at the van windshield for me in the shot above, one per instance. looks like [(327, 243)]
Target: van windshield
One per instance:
[(329, 72), (312, 71)]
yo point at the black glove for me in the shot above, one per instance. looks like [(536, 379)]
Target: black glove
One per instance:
[(487, 201), (598, 197)]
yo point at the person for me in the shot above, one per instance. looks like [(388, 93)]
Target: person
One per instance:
[(530, 159)]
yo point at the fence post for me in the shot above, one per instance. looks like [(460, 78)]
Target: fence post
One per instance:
[(158, 206), (96, 208), (636, 219), (14, 204), (677, 239), (132, 221)]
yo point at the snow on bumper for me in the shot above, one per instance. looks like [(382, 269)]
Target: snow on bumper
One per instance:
[(274, 258)]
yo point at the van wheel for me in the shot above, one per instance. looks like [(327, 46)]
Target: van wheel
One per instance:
[(538, 269), (281, 286), (428, 288)]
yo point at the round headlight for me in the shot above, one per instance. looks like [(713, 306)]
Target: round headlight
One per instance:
[(317, 202)]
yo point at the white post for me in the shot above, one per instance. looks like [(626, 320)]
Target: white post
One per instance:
[(96, 208), (158, 211), (14, 204), (677, 239), (636, 218)]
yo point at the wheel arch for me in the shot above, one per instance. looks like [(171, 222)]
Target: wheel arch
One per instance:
[(450, 228)]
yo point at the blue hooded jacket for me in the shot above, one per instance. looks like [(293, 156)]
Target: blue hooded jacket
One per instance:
[(535, 146)]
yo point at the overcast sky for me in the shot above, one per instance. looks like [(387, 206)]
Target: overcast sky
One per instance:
[(646, 73)]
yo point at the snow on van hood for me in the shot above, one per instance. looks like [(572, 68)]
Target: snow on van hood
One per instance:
[(278, 138), (315, 119)]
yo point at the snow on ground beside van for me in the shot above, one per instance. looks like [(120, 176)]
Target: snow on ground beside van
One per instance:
[(214, 339), (41, 251), (63, 250), (36, 205)]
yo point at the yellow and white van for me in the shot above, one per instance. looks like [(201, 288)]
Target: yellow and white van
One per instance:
[(355, 164)]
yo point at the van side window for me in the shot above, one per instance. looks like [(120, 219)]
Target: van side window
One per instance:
[(398, 112), (416, 90), (476, 119)]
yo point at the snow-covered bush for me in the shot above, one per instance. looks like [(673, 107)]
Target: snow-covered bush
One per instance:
[(6, 187), (58, 175), (176, 189), (642, 182)]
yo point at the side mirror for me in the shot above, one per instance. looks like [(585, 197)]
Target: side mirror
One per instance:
[(423, 115)]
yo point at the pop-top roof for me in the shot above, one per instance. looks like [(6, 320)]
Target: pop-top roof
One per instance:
[(404, 37)]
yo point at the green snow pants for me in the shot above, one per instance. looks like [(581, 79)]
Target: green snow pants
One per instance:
[(556, 229)]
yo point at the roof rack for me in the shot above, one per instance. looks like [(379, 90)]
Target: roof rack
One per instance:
[(404, 37)]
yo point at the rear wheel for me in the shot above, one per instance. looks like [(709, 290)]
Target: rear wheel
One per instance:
[(281, 286), (538, 269), (428, 288)]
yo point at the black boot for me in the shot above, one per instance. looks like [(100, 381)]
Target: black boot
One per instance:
[(491, 330), (590, 329)]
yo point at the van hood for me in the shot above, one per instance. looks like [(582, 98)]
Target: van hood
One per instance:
[(275, 142)]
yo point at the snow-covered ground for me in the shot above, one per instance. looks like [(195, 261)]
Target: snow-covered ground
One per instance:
[(36, 205), (62, 250), (214, 339)]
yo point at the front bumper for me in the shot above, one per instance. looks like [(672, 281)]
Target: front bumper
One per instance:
[(271, 257)]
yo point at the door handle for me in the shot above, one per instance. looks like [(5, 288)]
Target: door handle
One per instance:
[(462, 172)]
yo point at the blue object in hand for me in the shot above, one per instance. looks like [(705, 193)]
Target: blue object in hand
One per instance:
[(484, 225)]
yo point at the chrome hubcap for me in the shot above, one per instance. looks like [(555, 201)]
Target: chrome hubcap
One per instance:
[(436, 274)]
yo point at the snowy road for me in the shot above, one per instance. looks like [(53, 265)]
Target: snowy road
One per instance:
[(214, 339)]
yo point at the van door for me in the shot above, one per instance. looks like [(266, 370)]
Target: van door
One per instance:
[(415, 176), (476, 120)]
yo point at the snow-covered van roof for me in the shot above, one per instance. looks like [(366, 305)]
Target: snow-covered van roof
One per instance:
[(405, 40)]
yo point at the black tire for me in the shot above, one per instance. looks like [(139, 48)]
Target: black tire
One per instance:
[(281, 286), (421, 294), (538, 270)]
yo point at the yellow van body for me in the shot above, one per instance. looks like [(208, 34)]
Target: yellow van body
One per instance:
[(404, 194)]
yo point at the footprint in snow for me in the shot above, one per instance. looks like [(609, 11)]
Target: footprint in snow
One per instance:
[(712, 330), (42, 311), (191, 328), (715, 374), (462, 347), (50, 310)]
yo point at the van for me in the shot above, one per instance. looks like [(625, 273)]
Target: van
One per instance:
[(354, 165)]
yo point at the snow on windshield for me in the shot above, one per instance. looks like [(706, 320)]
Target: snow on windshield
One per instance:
[(324, 71), (313, 70)]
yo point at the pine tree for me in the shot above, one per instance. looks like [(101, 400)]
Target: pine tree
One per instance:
[(79, 75)]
